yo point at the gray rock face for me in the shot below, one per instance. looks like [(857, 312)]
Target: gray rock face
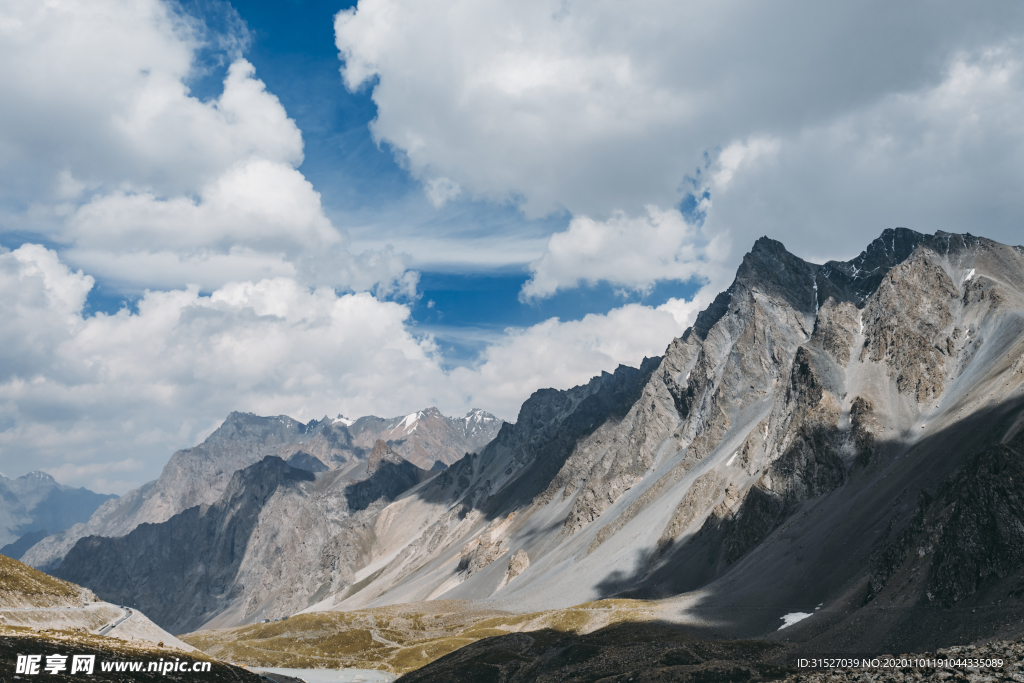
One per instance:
[(194, 476), (36, 502)]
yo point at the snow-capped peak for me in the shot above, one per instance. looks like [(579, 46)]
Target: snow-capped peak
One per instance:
[(341, 419)]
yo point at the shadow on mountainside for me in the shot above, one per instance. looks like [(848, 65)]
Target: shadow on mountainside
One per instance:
[(647, 651), (921, 546), (182, 572), (549, 425)]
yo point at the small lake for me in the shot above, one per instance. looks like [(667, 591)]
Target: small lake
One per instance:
[(334, 675)]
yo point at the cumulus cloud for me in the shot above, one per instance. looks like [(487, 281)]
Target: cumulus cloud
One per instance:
[(632, 253), (103, 400), (107, 153), (945, 156), (96, 96), (604, 107), (93, 388)]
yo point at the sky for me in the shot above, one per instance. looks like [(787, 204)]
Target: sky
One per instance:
[(316, 208)]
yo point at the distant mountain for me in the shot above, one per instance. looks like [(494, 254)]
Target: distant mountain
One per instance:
[(276, 538), (35, 502), (17, 548), (200, 475)]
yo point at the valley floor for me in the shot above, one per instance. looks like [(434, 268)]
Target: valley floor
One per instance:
[(608, 640)]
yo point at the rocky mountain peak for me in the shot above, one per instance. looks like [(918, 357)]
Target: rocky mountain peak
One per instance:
[(771, 269), (38, 476), (381, 454), (856, 279)]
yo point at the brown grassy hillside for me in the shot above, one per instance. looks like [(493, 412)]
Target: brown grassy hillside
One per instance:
[(23, 586)]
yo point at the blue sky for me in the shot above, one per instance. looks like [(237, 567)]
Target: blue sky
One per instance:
[(313, 208), (364, 189)]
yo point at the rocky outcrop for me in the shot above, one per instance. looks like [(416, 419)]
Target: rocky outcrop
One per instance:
[(193, 476), (517, 564)]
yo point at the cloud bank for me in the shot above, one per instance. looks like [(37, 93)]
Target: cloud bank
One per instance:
[(102, 400), (822, 124)]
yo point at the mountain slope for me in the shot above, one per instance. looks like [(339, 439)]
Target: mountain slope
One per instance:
[(786, 409), (275, 537)]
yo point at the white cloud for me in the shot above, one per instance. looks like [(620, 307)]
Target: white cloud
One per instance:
[(441, 190), (263, 204), (602, 107), (561, 355), (633, 253), (109, 155), (84, 390), (740, 155), (946, 156), (84, 397), (94, 91)]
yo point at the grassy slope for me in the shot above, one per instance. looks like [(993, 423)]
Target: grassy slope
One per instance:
[(400, 638), (23, 586)]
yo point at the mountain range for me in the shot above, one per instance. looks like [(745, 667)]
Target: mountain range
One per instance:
[(831, 449), (201, 475)]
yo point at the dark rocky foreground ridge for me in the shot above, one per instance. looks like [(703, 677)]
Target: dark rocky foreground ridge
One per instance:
[(837, 447), (661, 653)]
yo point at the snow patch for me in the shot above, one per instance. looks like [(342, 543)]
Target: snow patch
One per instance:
[(792, 618), (969, 275), (409, 420), (728, 463), (341, 419)]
